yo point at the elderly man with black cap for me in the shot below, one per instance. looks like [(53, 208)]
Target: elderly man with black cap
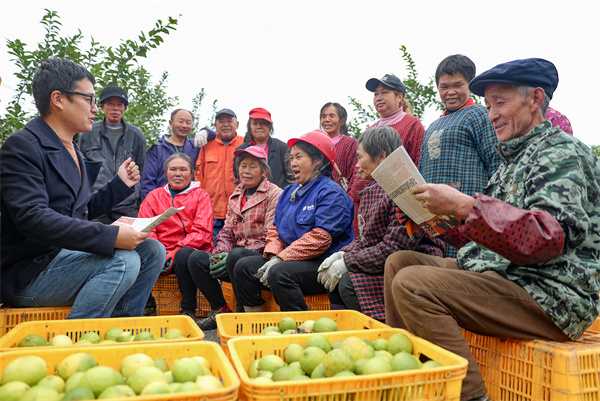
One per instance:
[(111, 141), (214, 167), (531, 268)]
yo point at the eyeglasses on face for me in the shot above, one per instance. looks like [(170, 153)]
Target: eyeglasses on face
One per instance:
[(93, 98)]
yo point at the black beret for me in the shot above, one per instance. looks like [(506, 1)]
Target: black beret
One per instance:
[(534, 72)]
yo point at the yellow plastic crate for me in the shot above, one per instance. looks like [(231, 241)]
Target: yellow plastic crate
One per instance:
[(537, 370), (230, 325), (443, 383), (75, 328), (168, 298), (10, 317), (111, 356), (596, 325), (228, 295), (314, 302)]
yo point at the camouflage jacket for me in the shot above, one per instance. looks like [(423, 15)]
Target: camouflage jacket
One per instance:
[(540, 225)]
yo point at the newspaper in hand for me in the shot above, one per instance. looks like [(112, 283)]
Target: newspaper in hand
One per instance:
[(146, 224), (397, 174)]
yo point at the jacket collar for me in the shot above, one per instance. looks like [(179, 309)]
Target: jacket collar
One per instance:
[(103, 126), (512, 149), (193, 186), (259, 196)]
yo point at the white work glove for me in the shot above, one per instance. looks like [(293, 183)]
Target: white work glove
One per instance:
[(263, 272), (201, 138), (327, 262), (330, 276)]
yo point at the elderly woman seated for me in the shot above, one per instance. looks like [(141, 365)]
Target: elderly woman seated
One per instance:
[(354, 275), (313, 219)]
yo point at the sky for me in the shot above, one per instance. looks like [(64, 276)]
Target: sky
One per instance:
[(291, 57)]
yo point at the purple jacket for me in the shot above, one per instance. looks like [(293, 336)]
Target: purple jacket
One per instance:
[(154, 173)]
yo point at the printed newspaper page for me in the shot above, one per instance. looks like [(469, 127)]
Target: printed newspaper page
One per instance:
[(397, 174), (146, 224)]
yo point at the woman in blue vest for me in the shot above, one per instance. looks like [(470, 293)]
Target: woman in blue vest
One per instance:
[(313, 219)]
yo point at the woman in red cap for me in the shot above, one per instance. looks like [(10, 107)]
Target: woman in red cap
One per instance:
[(333, 121), (259, 132), (312, 221)]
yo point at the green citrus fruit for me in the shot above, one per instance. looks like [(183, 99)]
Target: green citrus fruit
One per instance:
[(29, 369), (60, 340), (404, 361), (318, 340), (133, 362), (324, 324), (311, 357), (113, 333), (287, 323), (33, 340), (399, 342), (78, 362), (99, 378), (336, 361)]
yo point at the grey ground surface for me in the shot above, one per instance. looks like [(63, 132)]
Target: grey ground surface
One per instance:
[(210, 335)]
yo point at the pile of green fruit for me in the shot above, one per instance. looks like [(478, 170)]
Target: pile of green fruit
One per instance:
[(288, 325), (78, 377), (112, 336), (319, 358)]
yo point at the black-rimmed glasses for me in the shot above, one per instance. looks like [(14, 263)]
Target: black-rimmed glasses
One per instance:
[(93, 98)]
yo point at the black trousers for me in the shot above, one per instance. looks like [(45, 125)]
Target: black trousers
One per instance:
[(289, 281)]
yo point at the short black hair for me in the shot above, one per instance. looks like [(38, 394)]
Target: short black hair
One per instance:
[(455, 64), (178, 110), (56, 74)]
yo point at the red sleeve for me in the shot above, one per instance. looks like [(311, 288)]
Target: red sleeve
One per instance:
[(312, 244), (521, 236), (201, 233), (274, 244)]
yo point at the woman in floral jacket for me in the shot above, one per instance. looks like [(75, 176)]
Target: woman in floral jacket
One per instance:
[(250, 214)]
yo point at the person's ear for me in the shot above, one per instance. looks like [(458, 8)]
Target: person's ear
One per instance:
[(56, 100), (536, 98), (380, 158)]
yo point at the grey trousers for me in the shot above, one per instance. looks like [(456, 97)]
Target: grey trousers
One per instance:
[(433, 298)]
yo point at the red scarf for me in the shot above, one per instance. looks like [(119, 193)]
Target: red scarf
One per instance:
[(468, 103)]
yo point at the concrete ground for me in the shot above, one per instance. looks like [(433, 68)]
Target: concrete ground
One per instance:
[(210, 335)]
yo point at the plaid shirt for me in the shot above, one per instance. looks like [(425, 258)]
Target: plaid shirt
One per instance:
[(345, 158), (381, 234), (458, 150), (247, 226)]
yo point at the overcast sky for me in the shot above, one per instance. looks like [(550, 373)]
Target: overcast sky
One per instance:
[(291, 57)]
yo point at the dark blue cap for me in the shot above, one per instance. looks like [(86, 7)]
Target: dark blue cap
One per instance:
[(534, 72), (225, 111), (387, 80)]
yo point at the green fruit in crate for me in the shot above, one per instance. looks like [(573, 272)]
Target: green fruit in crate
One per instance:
[(208, 383), (29, 369), (301, 377), (262, 380), (119, 391), (270, 363), (344, 373), (380, 344), (78, 393), (399, 342), (187, 386), (12, 391), (318, 340), (169, 376), (56, 382), (156, 388), (79, 362), (84, 342), (404, 361), (336, 361), (173, 334), (265, 373), (175, 386), (293, 352), (186, 370), (336, 344), (384, 354), (60, 340), (377, 364), (284, 373), (307, 326), (91, 336), (270, 329), (431, 364), (359, 365), (144, 336), (33, 340), (297, 367), (356, 348), (325, 324), (73, 381), (253, 369), (113, 333), (311, 357), (144, 376), (318, 372), (125, 337), (291, 331), (287, 323), (161, 364), (36, 393), (133, 362), (99, 378)]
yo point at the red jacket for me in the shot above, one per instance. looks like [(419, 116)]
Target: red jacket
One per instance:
[(191, 227)]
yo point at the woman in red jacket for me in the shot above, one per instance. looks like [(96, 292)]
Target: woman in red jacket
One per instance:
[(188, 231)]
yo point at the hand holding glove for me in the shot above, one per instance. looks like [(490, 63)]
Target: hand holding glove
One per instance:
[(330, 276), (218, 267), (263, 272), (327, 263), (203, 136)]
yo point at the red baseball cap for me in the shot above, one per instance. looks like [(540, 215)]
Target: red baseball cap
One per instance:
[(255, 151), (261, 113)]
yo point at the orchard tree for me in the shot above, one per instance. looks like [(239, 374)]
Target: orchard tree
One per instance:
[(110, 65)]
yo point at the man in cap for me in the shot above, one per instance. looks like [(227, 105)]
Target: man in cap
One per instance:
[(214, 168), (111, 141), (531, 270), (463, 132)]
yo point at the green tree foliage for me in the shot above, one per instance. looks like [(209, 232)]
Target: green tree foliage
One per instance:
[(421, 97), (596, 149), (110, 65)]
